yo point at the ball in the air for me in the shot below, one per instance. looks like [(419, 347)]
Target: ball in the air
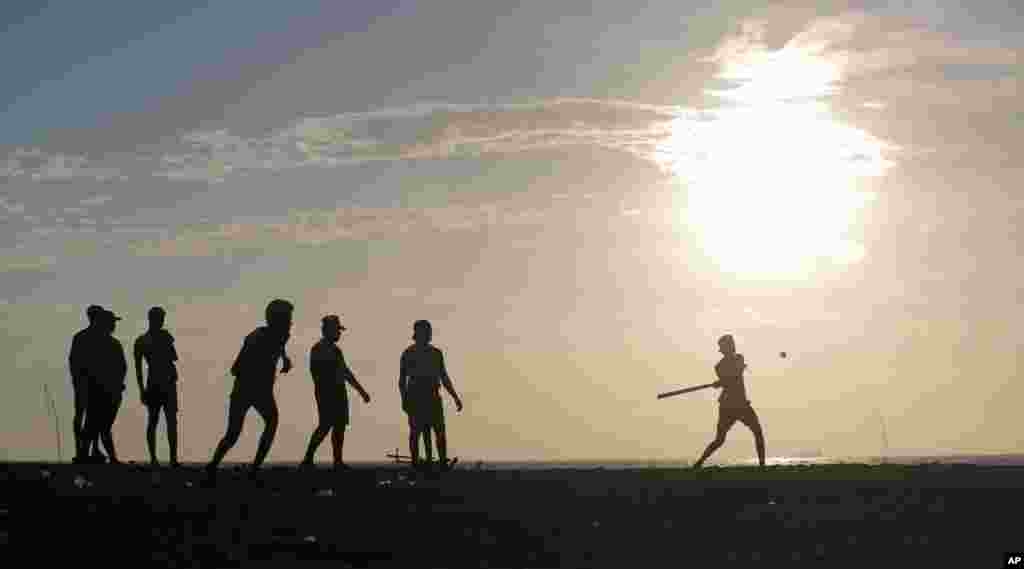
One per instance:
[(782, 354)]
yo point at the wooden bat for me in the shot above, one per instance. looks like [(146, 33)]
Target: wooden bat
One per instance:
[(687, 390)]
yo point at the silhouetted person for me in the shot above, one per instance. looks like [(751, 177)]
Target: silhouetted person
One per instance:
[(330, 374), (108, 370), (422, 373), (255, 370), (733, 404), (83, 349), (156, 348)]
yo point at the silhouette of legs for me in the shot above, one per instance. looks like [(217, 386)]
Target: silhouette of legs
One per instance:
[(236, 416), (337, 432), (725, 421), (428, 443), (268, 410), (113, 406), (81, 391), (99, 421), (338, 444), (442, 444), (171, 418), (152, 419), (726, 418), (414, 443), (751, 421)]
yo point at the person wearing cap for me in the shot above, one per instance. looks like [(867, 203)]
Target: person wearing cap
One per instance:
[(82, 350), (107, 373), (156, 348), (733, 404), (330, 374), (255, 370), (421, 374)]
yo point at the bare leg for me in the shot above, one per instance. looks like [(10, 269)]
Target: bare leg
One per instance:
[(236, 415), (108, 430), (338, 444), (755, 427), (270, 416), (414, 443), (108, 443), (314, 442), (442, 444), (78, 423), (725, 421), (428, 444), (152, 419), (171, 418)]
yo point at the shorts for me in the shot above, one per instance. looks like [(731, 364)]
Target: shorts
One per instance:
[(80, 387), (162, 396), (425, 410), (744, 413), (102, 409), (332, 405), (263, 401)]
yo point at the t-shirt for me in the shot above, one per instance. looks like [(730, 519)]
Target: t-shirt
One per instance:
[(98, 358), (255, 368), (327, 366), (84, 345), (424, 366), (157, 347), (730, 373)]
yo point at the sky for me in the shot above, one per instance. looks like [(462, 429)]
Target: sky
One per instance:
[(581, 197)]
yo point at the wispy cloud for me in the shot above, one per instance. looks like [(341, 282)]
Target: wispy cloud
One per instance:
[(766, 91)]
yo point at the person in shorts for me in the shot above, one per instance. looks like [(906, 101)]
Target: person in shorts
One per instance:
[(83, 351), (733, 404), (156, 348), (330, 375), (421, 374), (107, 371), (255, 371)]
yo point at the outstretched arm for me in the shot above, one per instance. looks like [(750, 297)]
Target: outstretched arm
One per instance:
[(447, 382)]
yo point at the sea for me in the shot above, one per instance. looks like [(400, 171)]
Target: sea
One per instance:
[(1007, 459)]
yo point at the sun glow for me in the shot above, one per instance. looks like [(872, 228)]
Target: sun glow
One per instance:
[(774, 180)]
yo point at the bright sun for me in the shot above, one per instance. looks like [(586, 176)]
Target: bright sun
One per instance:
[(774, 179)]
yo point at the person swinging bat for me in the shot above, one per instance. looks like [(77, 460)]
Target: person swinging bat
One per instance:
[(733, 404)]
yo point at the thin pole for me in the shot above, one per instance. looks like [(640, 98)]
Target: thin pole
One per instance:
[(56, 422), (885, 437)]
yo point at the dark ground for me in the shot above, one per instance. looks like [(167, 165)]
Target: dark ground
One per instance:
[(821, 515)]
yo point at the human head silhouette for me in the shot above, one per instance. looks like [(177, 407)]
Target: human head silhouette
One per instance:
[(109, 323), (95, 314), (156, 316), (279, 314), (422, 332), (330, 327), (727, 345)]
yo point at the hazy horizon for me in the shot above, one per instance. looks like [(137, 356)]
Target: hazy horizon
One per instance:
[(581, 197)]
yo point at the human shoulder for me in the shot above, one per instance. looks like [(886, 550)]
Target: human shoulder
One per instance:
[(323, 350)]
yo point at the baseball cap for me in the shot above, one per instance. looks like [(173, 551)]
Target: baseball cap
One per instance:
[(333, 320), (93, 311)]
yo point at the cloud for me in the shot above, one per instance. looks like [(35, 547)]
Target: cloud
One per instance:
[(97, 200), (826, 53), (767, 87)]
